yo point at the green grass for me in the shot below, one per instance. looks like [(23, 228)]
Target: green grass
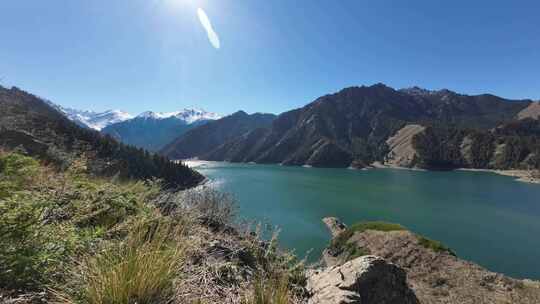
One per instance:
[(434, 245), (339, 243)]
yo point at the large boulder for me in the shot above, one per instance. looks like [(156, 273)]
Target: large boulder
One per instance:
[(367, 280)]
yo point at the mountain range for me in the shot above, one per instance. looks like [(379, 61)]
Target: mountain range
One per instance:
[(31, 124), (354, 128), (153, 130), (201, 140), (148, 130), (91, 119)]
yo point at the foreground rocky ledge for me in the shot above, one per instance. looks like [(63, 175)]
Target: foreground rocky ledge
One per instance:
[(367, 279), (434, 273)]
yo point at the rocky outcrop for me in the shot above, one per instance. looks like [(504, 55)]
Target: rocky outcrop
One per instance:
[(402, 152), (435, 274), (334, 225), (366, 280), (532, 111)]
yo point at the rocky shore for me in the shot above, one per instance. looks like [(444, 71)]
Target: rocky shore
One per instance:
[(434, 273), (525, 176)]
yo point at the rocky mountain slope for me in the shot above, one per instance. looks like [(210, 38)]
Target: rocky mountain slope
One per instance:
[(153, 130), (435, 274), (532, 111), (28, 122), (512, 145), (91, 119), (351, 127), (206, 138)]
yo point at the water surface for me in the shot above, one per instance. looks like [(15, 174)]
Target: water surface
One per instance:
[(486, 218)]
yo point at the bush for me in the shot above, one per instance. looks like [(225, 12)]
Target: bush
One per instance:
[(16, 171), (47, 218), (32, 254), (211, 207), (273, 290)]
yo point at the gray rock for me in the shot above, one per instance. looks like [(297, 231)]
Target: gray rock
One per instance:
[(334, 225), (366, 280)]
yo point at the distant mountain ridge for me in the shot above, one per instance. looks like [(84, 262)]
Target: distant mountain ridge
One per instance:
[(351, 127), (153, 130), (91, 119), (29, 123), (188, 115), (149, 130), (203, 139)]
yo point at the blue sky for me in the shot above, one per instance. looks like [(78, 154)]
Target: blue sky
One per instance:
[(273, 55)]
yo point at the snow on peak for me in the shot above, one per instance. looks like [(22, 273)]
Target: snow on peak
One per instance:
[(91, 119), (97, 120), (188, 115)]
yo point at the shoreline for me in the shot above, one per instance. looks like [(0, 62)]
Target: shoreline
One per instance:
[(519, 175), (524, 176)]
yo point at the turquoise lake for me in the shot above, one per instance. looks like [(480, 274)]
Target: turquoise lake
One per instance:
[(486, 218)]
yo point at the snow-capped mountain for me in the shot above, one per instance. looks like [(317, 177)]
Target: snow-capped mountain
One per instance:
[(97, 120), (91, 119), (152, 130), (189, 116), (149, 130)]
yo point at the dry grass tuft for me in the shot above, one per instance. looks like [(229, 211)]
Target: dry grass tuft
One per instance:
[(140, 270), (273, 290)]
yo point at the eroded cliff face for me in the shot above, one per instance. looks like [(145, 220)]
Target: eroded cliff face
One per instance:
[(401, 150), (531, 111), (434, 273)]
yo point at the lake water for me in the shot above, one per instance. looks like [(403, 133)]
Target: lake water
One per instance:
[(486, 218)]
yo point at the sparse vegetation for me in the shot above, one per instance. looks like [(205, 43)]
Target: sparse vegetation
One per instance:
[(273, 290), (82, 239), (140, 269), (513, 145), (339, 243), (434, 245)]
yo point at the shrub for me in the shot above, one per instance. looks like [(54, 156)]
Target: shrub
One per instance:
[(211, 207), (32, 254), (16, 171), (273, 290), (280, 275)]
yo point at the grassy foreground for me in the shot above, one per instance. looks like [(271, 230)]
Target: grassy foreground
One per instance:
[(70, 238)]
